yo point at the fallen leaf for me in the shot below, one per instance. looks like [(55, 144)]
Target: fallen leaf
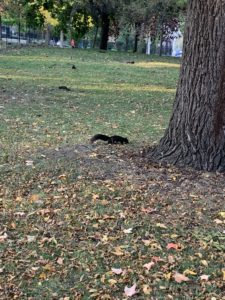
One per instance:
[(149, 265), (204, 262), (222, 214), (146, 289), (218, 221), (223, 272), (3, 237), (147, 242), (104, 202), (189, 272), (129, 292), (29, 163), (118, 251), (147, 210), (167, 276), (43, 275), (129, 230), (112, 281), (95, 197), (172, 246), (31, 238), (34, 198), (204, 277), (178, 277), (156, 259), (60, 261), (117, 271), (171, 259), (160, 225)]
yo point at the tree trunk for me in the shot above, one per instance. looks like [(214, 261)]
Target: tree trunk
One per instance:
[(19, 31), (61, 39), (127, 42), (148, 48), (0, 27), (105, 31), (195, 136), (136, 37), (95, 37), (161, 43), (47, 35)]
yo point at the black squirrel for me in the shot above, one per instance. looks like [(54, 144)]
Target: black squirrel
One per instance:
[(115, 139), (63, 87)]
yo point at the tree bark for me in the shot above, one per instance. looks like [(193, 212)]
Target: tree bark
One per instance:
[(47, 34), (195, 136), (105, 22), (161, 43), (95, 37), (136, 37), (61, 38)]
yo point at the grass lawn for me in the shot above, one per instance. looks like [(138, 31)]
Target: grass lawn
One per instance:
[(83, 221)]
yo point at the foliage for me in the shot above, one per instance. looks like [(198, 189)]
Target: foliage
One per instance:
[(167, 15)]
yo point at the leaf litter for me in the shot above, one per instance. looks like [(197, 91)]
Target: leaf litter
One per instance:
[(100, 218)]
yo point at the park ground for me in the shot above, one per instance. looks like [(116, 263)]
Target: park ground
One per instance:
[(99, 221)]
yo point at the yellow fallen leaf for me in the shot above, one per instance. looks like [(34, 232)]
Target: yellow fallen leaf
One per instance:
[(222, 214), (95, 197), (112, 282), (118, 251), (189, 272), (223, 272), (160, 225), (146, 289), (34, 198), (167, 276), (104, 238), (19, 199), (204, 263), (42, 276)]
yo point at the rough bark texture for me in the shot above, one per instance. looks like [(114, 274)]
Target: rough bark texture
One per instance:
[(195, 136), (105, 31)]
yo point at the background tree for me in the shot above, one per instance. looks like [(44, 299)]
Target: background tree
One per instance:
[(195, 135), (166, 16), (135, 15), (103, 12), (14, 9)]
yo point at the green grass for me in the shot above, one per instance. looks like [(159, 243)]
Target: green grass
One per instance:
[(66, 216), (108, 96)]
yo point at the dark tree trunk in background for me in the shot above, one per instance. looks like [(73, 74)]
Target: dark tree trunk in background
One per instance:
[(0, 27), (105, 21), (127, 42), (195, 136), (136, 37), (19, 31)]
